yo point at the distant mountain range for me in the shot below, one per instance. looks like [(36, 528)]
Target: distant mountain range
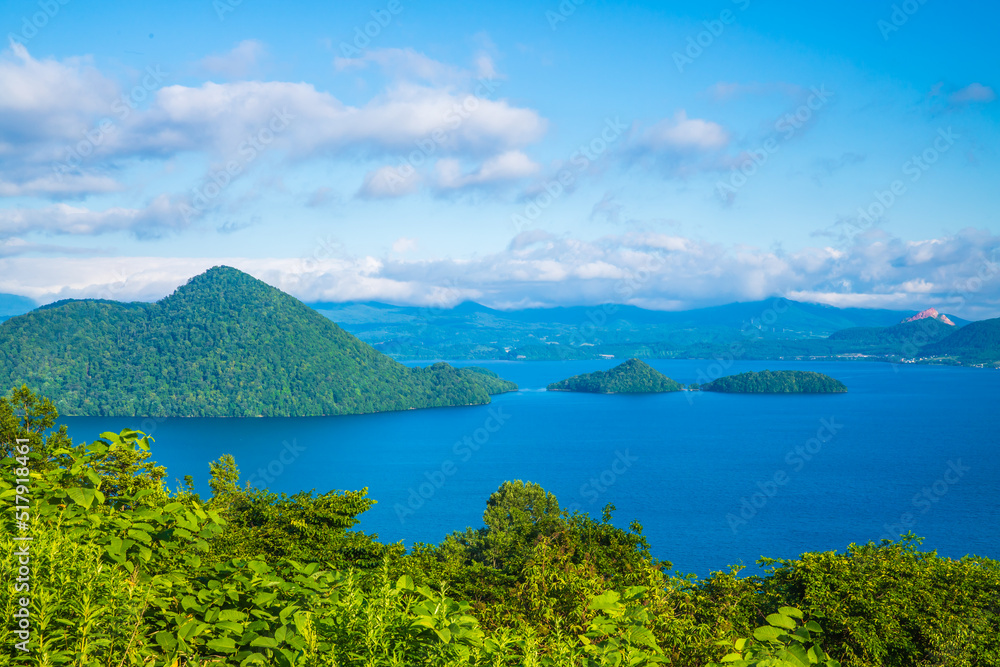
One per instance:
[(769, 329), (12, 305), (223, 345), (228, 344)]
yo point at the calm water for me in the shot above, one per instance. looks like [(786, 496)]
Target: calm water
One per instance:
[(912, 445)]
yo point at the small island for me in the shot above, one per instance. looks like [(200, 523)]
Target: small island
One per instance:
[(631, 377), (776, 382)]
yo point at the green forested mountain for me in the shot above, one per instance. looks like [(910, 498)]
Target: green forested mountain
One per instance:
[(776, 382), (631, 377), (976, 343), (895, 338), (224, 344)]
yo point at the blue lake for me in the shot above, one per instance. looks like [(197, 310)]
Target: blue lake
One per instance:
[(714, 479)]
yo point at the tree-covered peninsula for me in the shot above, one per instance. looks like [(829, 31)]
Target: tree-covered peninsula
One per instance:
[(223, 345), (631, 377), (776, 382)]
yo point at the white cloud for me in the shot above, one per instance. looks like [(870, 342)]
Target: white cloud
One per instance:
[(389, 182), (46, 107), (67, 186), (506, 167), (962, 275), (222, 117), (680, 146), (405, 64), (160, 216), (49, 107), (684, 134), (237, 63)]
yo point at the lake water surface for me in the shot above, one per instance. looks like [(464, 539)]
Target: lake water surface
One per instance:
[(715, 479)]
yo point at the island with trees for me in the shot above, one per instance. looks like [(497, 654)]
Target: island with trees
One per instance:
[(775, 382), (631, 377)]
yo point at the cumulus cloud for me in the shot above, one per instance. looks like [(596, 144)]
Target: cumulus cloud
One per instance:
[(959, 273), (49, 107), (680, 146), (227, 117)]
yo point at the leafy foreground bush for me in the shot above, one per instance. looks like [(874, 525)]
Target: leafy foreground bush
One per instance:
[(125, 572)]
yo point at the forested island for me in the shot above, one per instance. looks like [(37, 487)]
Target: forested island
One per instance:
[(775, 382), (126, 571), (223, 345), (632, 377)]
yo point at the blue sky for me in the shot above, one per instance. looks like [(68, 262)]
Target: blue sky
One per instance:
[(510, 153)]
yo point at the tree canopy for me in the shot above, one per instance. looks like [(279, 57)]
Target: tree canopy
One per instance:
[(776, 382), (632, 377)]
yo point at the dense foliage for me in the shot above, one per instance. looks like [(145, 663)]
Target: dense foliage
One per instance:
[(976, 343), (127, 572), (776, 382), (224, 344), (899, 337), (631, 377)]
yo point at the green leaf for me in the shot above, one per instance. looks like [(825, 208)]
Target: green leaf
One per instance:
[(798, 654), (115, 549), (404, 583), (139, 535), (781, 621), (767, 633), (231, 615), (225, 644), (166, 640), (790, 611), (424, 621), (82, 497), (640, 635), (605, 601), (265, 642), (258, 567)]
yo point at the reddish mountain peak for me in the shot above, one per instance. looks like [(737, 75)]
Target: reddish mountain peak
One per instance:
[(930, 312)]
